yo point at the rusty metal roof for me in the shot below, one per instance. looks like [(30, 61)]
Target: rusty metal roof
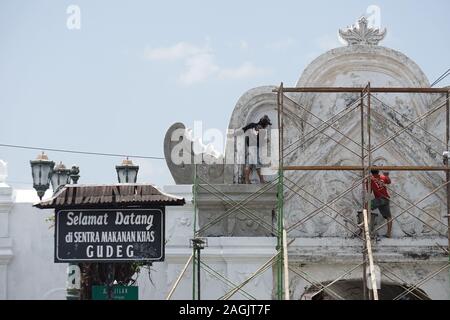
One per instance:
[(78, 195)]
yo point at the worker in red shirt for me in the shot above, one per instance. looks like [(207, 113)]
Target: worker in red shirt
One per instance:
[(381, 202)]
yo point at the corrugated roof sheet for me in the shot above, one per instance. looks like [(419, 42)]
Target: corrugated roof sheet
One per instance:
[(78, 195)]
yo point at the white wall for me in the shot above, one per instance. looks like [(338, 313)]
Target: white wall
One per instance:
[(31, 272), (6, 252), (27, 270)]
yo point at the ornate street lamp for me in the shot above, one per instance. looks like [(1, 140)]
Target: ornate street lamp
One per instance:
[(60, 177), (127, 172), (44, 172), (41, 170), (75, 174)]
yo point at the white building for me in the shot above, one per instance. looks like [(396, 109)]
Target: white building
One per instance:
[(323, 249)]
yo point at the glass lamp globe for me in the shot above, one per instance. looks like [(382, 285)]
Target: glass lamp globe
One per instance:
[(41, 171), (60, 176), (127, 172)]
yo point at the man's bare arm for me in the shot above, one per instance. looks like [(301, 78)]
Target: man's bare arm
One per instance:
[(387, 180)]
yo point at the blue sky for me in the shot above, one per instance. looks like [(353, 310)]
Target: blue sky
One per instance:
[(134, 68)]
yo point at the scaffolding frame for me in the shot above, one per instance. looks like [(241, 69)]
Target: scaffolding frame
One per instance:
[(280, 260), (366, 153)]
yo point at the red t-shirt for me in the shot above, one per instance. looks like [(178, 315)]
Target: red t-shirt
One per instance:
[(378, 185)]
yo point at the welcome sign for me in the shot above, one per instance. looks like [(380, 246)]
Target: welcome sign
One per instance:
[(109, 235)]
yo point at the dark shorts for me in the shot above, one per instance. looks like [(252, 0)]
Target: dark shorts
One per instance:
[(383, 205), (252, 166)]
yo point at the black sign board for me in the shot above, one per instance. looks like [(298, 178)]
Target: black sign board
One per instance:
[(109, 235)]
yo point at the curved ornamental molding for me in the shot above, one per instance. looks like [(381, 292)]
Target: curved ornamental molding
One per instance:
[(362, 34)]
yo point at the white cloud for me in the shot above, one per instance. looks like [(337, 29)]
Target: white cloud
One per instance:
[(178, 51), (198, 68), (246, 70), (200, 65), (282, 44), (241, 45)]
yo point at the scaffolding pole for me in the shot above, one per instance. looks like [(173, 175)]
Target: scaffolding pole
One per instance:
[(364, 173), (194, 252), (373, 279), (447, 138), (287, 295), (360, 89), (368, 216), (447, 174), (366, 168), (280, 197), (179, 278)]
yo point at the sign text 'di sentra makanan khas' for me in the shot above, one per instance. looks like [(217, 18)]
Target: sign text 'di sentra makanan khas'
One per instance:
[(109, 235)]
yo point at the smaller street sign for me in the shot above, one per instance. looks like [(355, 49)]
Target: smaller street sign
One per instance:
[(119, 293)]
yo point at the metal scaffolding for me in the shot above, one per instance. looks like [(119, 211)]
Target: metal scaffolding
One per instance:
[(362, 229), (367, 150)]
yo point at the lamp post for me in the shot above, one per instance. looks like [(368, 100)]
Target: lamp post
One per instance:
[(45, 172), (126, 173)]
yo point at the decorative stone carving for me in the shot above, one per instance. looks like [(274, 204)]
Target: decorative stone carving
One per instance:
[(362, 34), (247, 217), (179, 226)]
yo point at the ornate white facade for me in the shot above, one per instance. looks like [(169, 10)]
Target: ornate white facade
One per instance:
[(322, 247), (355, 66), (325, 245)]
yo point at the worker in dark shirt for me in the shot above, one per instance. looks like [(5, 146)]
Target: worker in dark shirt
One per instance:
[(382, 199), (256, 126)]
